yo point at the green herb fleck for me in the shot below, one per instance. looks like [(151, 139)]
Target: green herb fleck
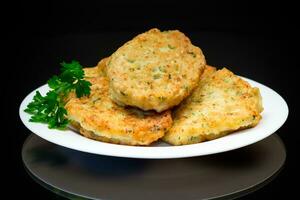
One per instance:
[(186, 88), (162, 69), (156, 76), (192, 53), (194, 138), (162, 98), (123, 93), (171, 47), (108, 64), (130, 60)]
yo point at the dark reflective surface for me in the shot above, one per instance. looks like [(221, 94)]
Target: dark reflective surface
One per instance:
[(227, 175)]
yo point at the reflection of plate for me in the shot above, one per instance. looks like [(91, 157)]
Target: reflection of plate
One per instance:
[(74, 174), (274, 115)]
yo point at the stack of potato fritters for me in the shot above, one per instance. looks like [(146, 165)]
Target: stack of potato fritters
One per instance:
[(134, 90)]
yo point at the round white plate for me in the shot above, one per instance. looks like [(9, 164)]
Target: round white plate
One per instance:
[(274, 115)]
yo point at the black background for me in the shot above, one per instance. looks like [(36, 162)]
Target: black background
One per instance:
[(253, 39)]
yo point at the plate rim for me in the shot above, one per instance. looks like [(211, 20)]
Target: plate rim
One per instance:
[(156, 152)]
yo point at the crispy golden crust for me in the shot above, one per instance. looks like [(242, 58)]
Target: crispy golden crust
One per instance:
[(221, 104), (155, 70), (99, 118)]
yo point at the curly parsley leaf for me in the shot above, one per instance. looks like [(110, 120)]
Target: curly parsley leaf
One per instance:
[(71, 72), (50, 109), (82, 88)]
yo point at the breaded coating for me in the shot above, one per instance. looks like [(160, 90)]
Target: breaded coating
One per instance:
[(221, 104), (155, 70), (98, 117)]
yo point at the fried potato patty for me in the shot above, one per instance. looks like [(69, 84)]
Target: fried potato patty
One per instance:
[(98, 117), (222, 103), (155, 70)]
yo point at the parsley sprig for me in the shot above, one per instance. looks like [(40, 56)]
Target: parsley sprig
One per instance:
[(50, 109)]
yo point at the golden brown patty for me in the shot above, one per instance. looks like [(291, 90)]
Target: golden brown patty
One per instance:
[(99, 118), (155, 70), (222, 103)]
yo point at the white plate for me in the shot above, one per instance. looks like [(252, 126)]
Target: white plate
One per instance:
[(274, 115)]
